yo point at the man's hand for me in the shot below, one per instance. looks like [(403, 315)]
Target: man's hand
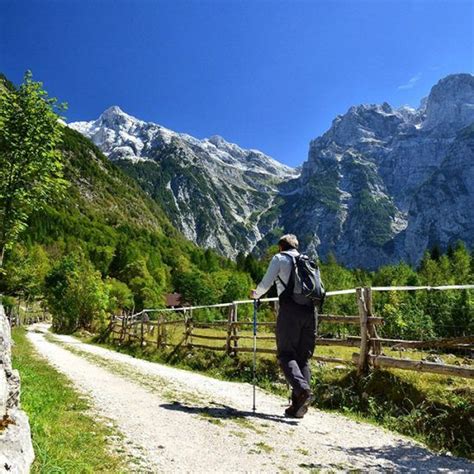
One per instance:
[(253, 294)]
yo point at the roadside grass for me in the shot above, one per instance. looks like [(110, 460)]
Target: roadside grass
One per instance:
[(434, 409), (65, 439)]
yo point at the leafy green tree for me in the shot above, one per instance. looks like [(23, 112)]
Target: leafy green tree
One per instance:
[(26, 270), (120, 296), (147, 293), (76, 295), (30, 161), (196, 287), (237, 288), (461, 265)]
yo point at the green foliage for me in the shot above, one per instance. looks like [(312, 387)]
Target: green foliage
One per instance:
[(120, 296), (196, 287), (76, 295), (25, 271), (237, 287), (30, 162)]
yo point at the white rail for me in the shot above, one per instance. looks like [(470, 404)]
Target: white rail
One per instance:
[(328, 294)]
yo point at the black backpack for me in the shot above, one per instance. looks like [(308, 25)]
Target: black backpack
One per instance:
[(305, 285)]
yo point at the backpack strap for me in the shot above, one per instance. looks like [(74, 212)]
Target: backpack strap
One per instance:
[(282, 282), (292, 270)]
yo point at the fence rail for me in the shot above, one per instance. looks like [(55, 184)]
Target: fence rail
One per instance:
[(139, 327)]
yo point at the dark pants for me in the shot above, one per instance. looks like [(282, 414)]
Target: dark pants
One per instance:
[(296, 339)]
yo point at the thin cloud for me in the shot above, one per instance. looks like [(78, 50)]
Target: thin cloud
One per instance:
[(411, 83)]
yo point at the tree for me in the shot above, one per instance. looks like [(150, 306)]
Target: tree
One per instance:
[(120, 296), (25, 271), (237, 288), (196, 287), (76, 295), (30, 161)]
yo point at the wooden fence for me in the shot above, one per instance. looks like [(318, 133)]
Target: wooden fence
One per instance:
[(139, 327), (20, 316)]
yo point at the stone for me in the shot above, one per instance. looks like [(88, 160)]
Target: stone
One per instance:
[(16, 449)]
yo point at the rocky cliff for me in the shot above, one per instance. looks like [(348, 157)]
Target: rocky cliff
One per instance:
[(373, 185)]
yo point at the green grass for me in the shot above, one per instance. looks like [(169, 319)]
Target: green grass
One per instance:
[(65, 439)]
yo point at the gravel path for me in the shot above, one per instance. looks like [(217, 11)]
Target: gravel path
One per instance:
[(178, 421)]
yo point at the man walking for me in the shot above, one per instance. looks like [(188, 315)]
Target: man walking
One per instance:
[(296, 325)]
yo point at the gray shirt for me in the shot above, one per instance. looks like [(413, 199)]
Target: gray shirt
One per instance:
[(280, 266)]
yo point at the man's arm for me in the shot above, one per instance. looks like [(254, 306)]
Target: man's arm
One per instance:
[(269, 278)]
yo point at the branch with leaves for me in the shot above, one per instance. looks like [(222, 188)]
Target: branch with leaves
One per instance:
[(31, 164)]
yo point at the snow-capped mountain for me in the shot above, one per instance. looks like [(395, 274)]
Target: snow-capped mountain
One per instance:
[(121, 136), (370, 191), (214, 191)]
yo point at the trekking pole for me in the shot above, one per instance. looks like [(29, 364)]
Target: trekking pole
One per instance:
[(254, 375)]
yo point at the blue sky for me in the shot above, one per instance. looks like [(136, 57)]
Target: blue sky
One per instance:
[(264, 74)]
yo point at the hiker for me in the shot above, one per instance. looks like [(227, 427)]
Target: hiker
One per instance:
[(295, 328)]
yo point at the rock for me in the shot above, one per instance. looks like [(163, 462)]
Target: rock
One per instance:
[(433, 358), (16, 449)]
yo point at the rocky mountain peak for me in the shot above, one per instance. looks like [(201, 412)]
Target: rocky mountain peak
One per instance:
[(217, 140), (114, 117), (450, 104)]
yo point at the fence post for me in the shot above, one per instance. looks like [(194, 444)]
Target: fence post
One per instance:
[(159, 337), (235, 330), (142, 334), (188, 329), (363, 365), (122, 329), (230, 319), (376, 345)]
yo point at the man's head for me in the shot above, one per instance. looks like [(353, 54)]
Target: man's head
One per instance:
[(288, 242)]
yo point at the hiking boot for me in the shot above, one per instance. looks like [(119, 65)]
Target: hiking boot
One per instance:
[(290, 412), (299, 405), (302, 402)]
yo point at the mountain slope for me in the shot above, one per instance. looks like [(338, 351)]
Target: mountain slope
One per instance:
[(214, 191), (125, 234), (442, 210)]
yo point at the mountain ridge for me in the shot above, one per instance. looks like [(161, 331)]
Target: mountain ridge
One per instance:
[(214, 191), (354, 196)]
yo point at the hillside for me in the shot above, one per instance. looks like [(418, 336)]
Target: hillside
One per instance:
[(105, 211)]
